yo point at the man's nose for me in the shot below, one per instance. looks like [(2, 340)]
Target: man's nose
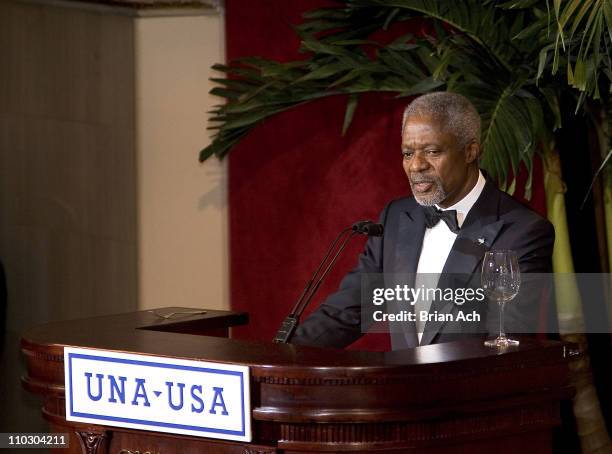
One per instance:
[(418, 163)]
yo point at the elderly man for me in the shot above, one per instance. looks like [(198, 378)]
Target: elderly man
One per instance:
[(440, 148)]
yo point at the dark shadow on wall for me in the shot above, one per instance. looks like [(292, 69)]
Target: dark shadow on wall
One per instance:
[(2, 306)]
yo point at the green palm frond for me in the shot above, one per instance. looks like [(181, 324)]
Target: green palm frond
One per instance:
[(586, 27), (512, 126), (503, 55), (575, 35), (265, 88)]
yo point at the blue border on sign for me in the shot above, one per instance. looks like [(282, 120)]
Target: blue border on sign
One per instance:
[(242, 432)]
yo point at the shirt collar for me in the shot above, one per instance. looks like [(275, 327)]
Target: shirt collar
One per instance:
[(464, 205)]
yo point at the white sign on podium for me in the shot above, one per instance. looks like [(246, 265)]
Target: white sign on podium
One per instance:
[(157, 394)]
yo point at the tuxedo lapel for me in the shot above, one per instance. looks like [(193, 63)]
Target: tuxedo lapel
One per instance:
[(410, 235), (410, 241), (479, 231)]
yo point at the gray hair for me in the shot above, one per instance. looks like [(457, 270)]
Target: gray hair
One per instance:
[(454, 112)]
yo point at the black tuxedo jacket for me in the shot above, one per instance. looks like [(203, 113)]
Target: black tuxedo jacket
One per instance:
[(496, 221)]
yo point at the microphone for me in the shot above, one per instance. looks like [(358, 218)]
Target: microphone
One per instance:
[(288, 326), (368, 228)]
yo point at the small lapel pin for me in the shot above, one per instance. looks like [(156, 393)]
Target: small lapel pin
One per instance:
[(481, 241)]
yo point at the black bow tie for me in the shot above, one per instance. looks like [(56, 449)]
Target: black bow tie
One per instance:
[(433, 216)]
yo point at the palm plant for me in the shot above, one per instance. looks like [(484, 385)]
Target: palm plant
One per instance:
[(513, 60)]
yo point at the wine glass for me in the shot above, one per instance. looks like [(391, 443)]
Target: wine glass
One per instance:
[(501, 279)]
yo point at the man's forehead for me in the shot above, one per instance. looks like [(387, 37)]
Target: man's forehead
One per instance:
[(421, 128), (424, 120)]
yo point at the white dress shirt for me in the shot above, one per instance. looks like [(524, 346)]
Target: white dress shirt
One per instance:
[(437, 244)]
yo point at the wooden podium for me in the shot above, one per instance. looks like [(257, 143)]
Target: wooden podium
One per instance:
[(446, 398)]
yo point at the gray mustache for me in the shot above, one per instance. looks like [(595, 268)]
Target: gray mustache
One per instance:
[(414, 181)]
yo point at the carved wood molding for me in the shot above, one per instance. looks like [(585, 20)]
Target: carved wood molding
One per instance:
[(91, 442), (457, 374), (414, 433), (43, 356), (258, 451), (271, 380)]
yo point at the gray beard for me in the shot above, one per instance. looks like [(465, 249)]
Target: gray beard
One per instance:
[(436, 197)]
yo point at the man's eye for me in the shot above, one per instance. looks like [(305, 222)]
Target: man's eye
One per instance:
[(407, 154)]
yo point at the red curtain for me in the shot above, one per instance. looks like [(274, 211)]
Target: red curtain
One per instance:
[(295, 182)]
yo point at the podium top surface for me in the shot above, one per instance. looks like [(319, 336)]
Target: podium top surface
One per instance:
[(146, 333)]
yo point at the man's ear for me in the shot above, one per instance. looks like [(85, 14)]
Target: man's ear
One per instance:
[(472, 152)]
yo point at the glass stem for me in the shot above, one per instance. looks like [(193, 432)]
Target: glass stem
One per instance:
[(502, 304)]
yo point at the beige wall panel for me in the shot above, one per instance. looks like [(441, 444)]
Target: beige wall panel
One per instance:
[(6, 43), (182, 205), (87, 274), (22, 250), (67, 176), (115, 260), (67, 158), (116, 76), (101, 120), (12, 170), (78, 64), (80, 177)]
